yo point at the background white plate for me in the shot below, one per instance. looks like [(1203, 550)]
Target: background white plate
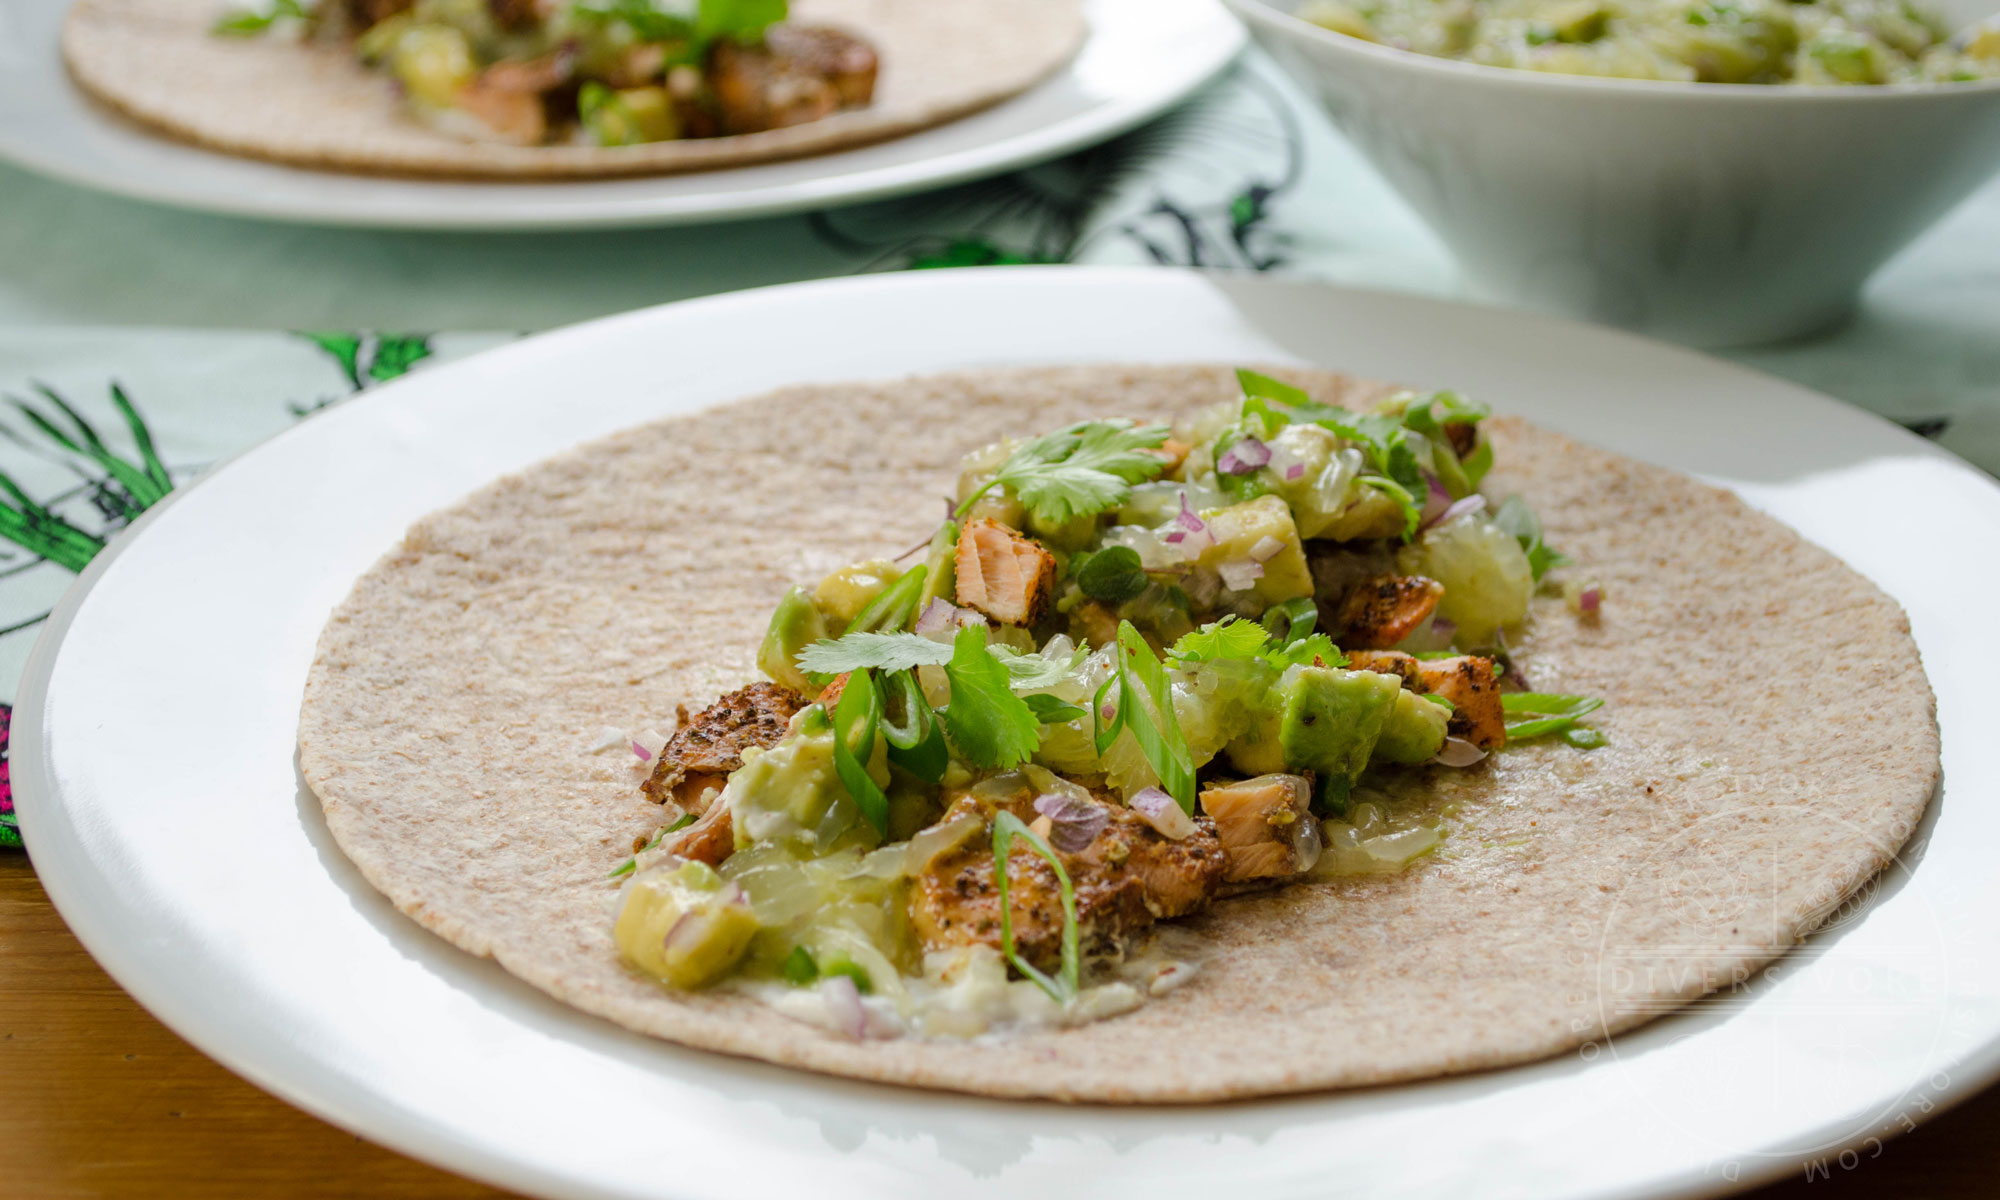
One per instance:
[(1142, 57), (154, 770)]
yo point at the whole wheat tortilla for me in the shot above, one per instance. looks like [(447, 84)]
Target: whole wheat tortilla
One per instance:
[(1772, 742), (313, 104)]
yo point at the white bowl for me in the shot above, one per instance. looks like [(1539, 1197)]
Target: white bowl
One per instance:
[(1715, 214)]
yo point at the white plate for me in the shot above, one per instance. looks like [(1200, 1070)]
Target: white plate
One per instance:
[(1142, 57), (154, 769)]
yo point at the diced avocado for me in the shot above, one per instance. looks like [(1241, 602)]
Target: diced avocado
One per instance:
[(841, 596), (796, 624), (1369, 513), (789, 789), (1258, 751), (683, 925), (433, 62), (1240, 528), (1414, 731), (1330, 719), (1848, 57), (1579, 21)]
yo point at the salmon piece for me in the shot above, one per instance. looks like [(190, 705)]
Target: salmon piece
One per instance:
[(703, 752), (542, 73), (1257, 821), (513, 116), (1125, 879), (1387, 662), (1003, 575), (1468, 682), (710, 839), (847, 64), (1380, 612), (1173, 452)]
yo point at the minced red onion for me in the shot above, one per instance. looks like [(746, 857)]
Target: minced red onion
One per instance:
[(940, 614), (1074, 823), (1162, 813), (1589, 599), (1294, 471), (1266, 548), (1190, 531), (1457, 508), (1436, 500), (648, 743), (843, 1003), (1458, 752), (1245, 455), (1240, 576)]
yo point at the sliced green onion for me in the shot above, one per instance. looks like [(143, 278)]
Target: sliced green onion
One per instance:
[(1549, 713), (1063, 987), (625, 868), (916, 740), (799, 968), (857, 717), (894, 607), (1584, 738), (1291, 621), (1158, 732)]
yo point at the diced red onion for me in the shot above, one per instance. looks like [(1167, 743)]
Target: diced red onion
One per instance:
[(939, 615), (1190, 532), (1459, 509), (1266, 548), (1161, 812), (1589, 599), (1294, 471), (1240, 576), (647, 744), (1074, 823), (1243, 456), (1458, 752), (843, 1003)]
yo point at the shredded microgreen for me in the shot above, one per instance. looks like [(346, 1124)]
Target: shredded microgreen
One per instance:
[(988, 723), (1515, 517), (1383, 440), (1547, 713), (625, 868), (247, 22), (1234, 637), (1080, 470), (1146, 707), (857, 718), (873, 651), (1064, 985)]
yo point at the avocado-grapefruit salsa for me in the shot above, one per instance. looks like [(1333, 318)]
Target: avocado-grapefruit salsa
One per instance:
[(1814, 42), (1137, 670)]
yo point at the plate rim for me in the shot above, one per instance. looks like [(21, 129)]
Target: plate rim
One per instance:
[(825, 190), (45, 818)]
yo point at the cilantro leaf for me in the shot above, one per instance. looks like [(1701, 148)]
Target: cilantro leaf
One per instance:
[(1230, 637), (1113, 574), (1307, 651), (1298, 618), (1517, 518), (881, 651), (1079, 471), (1431, 412), (245, 22), (737, 20), (990, 725)]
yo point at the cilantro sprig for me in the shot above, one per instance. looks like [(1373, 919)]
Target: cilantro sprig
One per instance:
[(1078, 471), (988, 724), (873, 651), (1233, 637), (1063, 986)]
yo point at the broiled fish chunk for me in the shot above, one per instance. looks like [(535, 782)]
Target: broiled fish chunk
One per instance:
[(1126, 878), (700, 756), (710, 839), (798, 74), (1262, 824), (1380, 612), (1003, 575), (1469, 683), (1388, 662)]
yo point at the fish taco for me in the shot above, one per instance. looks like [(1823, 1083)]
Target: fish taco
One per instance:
[(554, 88), (1116, 734)]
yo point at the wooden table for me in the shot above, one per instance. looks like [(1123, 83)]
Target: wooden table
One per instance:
[(102, 1100)]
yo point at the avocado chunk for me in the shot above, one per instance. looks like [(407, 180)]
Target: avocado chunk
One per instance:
[(684, 926), (793, 790), (1414, 731), (1239, 532), (796, 624), (1330, 719)]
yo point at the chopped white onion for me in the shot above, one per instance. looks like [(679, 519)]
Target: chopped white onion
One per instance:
[(1161, 812), (1240, 576), (1243, 456), (1169, 977), (648, 743), (1457, 508), (1458, 752), (1265, 548), (608, 738), (931, 842), (940, 614)]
